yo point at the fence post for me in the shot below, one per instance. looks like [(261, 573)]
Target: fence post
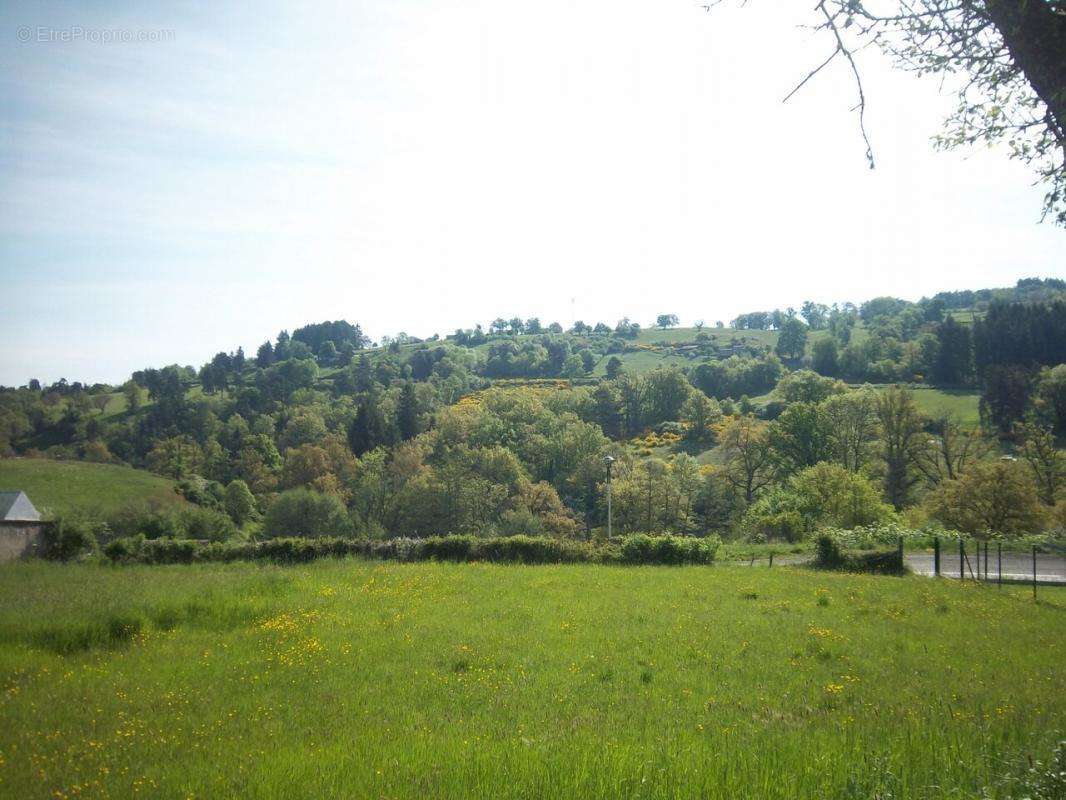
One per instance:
[(986, 561), (962, 560), (936, 556), (771, 559), (1034, 573), (999, 563)]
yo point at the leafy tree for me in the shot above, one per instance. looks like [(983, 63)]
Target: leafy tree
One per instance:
[(816, 315), (792, 339), (800, 437), (993, 497), (614, 367), (852, 420), (1049, 399), (805, 386), (824, 357), (176, 457), (701, 415), (608, 409), (132, 393), (239, 502), (665, 321), (901, 441), (666, 390), (1046, 462), (949, 451), (300, 512), (745, 442)]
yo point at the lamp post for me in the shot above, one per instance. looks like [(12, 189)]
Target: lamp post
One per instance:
[(608, 460)]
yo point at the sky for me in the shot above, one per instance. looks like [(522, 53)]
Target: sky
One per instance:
[(180, 179)]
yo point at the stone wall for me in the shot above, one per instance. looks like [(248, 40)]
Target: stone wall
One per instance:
[(20, 540)]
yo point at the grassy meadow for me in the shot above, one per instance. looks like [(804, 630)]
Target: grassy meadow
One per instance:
[(357, 679), (81, 487)]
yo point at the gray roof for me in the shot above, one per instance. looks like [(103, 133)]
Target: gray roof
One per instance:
[(16, 507)]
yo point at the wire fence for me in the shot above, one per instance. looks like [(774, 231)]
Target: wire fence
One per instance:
[(996, 562)]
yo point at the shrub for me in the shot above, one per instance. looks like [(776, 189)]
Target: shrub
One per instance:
[(643, 549), (830, 555), (125, 548), (202, 523), (992, 497), (300, 512), (68, 538), (827, 552)]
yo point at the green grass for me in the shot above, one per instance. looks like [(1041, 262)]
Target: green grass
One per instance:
[(351, 679), (65, 487), (962, 404)]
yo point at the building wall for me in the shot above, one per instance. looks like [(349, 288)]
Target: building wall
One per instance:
[(19, 540)]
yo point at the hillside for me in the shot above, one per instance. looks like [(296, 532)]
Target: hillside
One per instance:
[(66, 487)]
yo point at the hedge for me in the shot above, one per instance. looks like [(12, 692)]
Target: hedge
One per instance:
[(830, 555), (637, 549)]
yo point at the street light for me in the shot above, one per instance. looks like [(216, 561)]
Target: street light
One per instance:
[(608, 460)]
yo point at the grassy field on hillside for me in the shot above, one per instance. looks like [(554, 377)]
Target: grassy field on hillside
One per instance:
[(354, 679), (960, 403), (64, 487)]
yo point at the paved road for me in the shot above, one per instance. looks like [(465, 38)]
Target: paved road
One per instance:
[(1016, 566)]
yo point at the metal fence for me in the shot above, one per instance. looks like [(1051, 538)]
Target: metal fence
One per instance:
[(992, 561)]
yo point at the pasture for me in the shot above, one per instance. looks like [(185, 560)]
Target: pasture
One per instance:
[(357, 679), (81, 487)]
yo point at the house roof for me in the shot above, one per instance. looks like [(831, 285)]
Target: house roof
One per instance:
[(16, 507)]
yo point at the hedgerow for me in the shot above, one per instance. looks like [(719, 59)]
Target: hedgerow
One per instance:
[(635, 549)]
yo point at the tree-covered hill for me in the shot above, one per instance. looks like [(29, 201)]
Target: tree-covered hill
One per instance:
[(505, 427)]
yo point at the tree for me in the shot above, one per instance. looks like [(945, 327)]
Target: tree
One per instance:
[(852, 424), (950, 450), (1005, 398), (264, 356), (300, 512), (901, 432), (132, 393), (614, 367), (701, 414), (665, 321), (816, 315), (800, 437), (953, 365), (1049, 399), (239, 502), (1046, 462), (792, 339), (749, 458), (1011, 55), (666, 390), (370, 428), (805, 386), (407, 412), (824, 357), (994, 497), (608, 409)]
